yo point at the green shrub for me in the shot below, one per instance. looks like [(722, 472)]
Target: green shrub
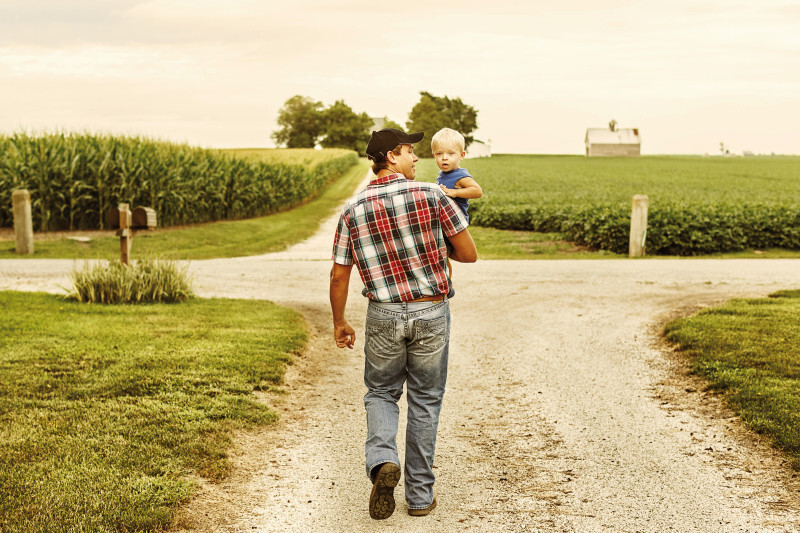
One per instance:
[(75, 179), (144, 281)]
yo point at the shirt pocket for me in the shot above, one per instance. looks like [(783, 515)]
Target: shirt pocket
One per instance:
[(430, 334)]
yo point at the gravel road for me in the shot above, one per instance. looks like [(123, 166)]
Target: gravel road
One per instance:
[(564, 409)]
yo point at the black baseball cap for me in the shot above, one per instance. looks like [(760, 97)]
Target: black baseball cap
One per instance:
[(383, 141)]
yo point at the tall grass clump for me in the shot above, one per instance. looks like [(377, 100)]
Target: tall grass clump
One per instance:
[(75, 179), (143, 281)]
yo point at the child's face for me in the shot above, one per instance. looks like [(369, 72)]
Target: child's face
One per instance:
[(448, 157)]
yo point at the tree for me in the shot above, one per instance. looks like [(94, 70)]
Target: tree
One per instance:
[(344, 128), (391, 124), (433, 113), (300, 120)]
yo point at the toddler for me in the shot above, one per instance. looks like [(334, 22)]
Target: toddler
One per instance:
[(456, 182)]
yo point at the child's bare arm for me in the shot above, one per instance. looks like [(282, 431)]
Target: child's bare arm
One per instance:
[(465, 188)]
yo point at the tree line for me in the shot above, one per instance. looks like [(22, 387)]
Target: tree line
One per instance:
[(305, 122)]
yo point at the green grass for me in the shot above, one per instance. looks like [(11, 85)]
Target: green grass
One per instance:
[(218, 239), (108, 411), (508, 244), (750, 350)]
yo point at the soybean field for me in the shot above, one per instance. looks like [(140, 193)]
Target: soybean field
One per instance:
[(698, 205)]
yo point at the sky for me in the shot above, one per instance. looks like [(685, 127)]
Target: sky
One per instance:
[(690, 74)]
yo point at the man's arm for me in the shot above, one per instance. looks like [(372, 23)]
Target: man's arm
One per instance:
[(343, 333), (464, 250)]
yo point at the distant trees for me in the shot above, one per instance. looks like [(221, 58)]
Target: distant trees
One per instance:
[(344, 128), (304, 123), (391, 124), (433, 113), (300, 120)]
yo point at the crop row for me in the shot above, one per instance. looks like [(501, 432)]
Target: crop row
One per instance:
[(74, 179), (672, 229)]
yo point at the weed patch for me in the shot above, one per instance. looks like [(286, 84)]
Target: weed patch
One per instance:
[(143, 281)]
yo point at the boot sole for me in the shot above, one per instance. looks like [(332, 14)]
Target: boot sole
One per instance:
[(381, 500)]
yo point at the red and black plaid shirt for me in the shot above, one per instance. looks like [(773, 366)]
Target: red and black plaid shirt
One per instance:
[(395, 231)]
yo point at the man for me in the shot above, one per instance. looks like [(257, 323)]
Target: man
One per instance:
[(394, 232)]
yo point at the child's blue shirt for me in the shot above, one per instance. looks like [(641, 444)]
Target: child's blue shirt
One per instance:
[(449, 180)]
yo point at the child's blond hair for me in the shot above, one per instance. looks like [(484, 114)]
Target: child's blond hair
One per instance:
[(448, 137)]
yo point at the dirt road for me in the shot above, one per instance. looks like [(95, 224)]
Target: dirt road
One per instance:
[(564, 412)]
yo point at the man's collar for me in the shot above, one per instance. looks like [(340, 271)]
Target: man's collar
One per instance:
[(386, 179)]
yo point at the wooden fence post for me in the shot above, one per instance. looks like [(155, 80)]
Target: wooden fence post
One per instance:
[(638, 226), (23, 224), (125, 234)]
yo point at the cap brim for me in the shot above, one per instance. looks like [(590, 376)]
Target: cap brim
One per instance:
[(413, 138)]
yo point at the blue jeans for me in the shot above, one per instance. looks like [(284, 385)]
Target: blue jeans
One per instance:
[(406, 343)]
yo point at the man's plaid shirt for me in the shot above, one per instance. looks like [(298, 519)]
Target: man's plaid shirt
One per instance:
[(395, 230)]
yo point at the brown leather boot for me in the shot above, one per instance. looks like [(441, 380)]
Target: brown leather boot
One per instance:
[(425, 511), (381, 500)]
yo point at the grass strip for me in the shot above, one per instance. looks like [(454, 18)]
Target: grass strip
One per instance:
[(108, 411), (510, 244), (237, 238), (749, 349)]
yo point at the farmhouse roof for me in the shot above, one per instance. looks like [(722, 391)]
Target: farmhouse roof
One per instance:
[(619, 136)]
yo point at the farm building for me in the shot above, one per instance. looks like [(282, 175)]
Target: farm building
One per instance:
[(613, 141)]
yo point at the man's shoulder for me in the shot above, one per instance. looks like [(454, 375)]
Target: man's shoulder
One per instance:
[(398, 187), (423, 186)]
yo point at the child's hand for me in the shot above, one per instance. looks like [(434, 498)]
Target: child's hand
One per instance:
[(448, 192)]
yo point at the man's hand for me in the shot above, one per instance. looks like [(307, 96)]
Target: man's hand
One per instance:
[(344, 334)]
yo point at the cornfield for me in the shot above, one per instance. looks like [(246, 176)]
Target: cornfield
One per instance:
[(75, 179)]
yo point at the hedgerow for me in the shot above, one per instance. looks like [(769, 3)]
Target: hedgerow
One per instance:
[(74, 179), (672, 229)]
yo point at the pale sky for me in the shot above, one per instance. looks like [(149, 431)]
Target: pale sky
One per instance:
[(688, 73)]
